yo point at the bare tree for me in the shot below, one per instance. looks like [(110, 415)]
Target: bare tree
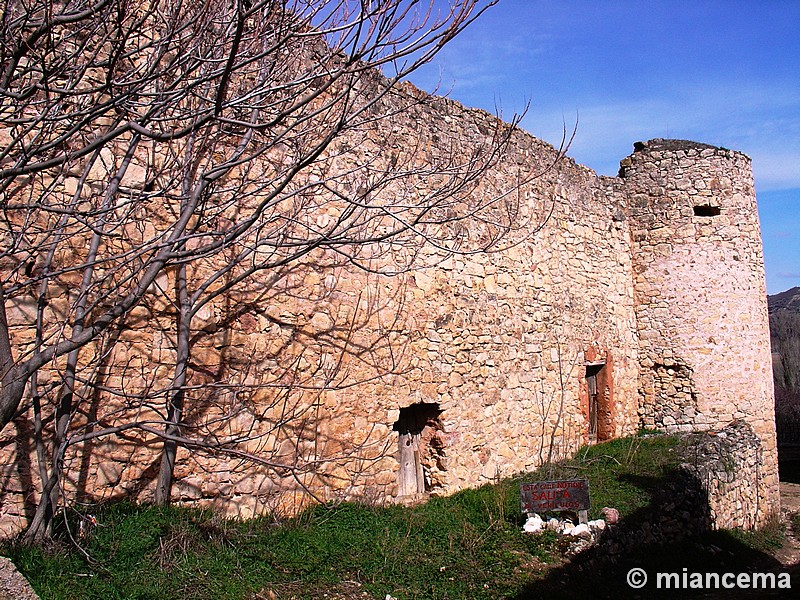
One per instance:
[(202, 144)]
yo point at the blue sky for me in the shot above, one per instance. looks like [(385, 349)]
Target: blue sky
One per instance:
[(720, 72)]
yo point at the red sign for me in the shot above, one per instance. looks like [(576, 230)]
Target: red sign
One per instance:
[(544, 496)]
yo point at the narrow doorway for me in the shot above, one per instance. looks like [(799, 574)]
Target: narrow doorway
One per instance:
[(414, 451), (592, 372), (600, 403)]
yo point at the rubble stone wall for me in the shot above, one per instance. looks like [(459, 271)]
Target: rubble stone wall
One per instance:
[(729, 465), (715, 486), (310, 368)]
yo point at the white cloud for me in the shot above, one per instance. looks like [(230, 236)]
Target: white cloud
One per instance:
[(745, 120)]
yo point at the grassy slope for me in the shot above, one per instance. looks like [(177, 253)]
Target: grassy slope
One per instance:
[(468, 545)]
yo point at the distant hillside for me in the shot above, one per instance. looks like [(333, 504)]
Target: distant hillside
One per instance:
[(790, 300), (784, 329)]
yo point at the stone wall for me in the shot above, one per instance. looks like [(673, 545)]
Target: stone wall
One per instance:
[(506, 337), (308, 379), (307, 370), (729, 464)]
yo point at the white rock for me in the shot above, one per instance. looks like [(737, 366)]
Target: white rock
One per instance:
[(553, 524), (533, 525), (580, 529), (567, 526), (597, 525)]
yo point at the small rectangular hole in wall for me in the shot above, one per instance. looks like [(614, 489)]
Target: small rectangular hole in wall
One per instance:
[(706, 210)]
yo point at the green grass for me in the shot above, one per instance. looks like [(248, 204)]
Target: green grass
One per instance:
[(620, 471), (468, 545), (453, 547), (767, 539)]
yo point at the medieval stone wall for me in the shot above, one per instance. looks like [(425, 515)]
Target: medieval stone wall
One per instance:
[(320, 372), (507, 335)]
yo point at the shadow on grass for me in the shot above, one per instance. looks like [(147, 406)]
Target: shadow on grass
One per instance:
[(672, 534), (789, 463)]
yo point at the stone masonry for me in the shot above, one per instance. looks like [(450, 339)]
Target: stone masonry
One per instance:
[(728, 465), (620, 303), (700, 293)]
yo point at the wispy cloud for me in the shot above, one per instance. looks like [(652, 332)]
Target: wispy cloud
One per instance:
[(468, 68), (721, 115)]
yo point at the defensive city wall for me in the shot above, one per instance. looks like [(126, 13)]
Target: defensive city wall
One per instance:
[(612, 304)]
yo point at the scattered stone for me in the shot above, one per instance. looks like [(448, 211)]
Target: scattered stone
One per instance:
[(597, 526), (585, 534), (580, 544), (580, 529), (611, 515), (534, 524)]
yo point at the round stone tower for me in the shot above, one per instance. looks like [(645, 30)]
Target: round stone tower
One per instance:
[(700, 295)]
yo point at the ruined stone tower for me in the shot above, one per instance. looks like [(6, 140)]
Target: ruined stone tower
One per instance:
[(700, 294)]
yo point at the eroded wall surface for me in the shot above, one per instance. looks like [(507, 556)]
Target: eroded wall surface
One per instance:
[(729, 465), (299, 378)]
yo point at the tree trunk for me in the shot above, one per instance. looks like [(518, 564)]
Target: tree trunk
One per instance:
[(48, 503), (12, 385), (163, 491)]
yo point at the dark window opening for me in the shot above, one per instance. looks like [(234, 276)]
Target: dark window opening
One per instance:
[(706, 210), (419, 448)]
